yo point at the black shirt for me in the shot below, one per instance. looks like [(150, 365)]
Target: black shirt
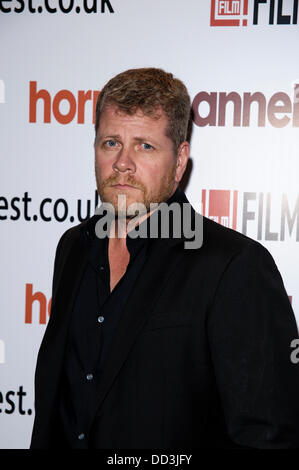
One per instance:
[(93, 322)]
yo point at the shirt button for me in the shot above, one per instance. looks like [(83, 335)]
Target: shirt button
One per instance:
[(100, 319), (81, 436), (89, 376), (102, 268)]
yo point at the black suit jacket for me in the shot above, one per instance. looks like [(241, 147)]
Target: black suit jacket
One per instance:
[(201, 355)]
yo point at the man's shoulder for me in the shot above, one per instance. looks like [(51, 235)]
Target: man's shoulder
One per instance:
[(219, 239), (223, 247), (227, 241), (216, 232)]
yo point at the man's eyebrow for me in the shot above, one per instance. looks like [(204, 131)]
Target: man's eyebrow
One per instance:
[(137, 138), (145, 139), (109, 136)]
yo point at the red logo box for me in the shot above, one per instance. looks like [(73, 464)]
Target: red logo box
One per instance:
[(220, 205), (229, 12)]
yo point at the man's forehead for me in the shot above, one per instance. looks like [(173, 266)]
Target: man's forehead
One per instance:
[(154, 113)]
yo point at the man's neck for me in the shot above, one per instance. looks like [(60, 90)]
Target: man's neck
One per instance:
[(121, 226)]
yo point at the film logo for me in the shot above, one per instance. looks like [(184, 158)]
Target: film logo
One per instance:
[(259, 215), (235, 12), (219, 205), (229, 12)]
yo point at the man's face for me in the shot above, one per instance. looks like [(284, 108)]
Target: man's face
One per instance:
[(135, 158)]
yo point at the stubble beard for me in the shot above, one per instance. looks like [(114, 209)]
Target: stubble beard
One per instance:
[(146, 196)]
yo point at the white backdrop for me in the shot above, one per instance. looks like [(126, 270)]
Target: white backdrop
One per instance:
[(51, 66)]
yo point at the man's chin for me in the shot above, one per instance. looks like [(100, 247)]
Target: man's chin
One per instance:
[(132, 210), (123, 204)]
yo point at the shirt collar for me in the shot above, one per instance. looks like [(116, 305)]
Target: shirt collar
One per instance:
[(100, 246)]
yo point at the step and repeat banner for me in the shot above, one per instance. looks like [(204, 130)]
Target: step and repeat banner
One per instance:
[(239, 61)]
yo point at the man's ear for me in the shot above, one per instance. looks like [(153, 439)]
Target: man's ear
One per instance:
[(182, 160)]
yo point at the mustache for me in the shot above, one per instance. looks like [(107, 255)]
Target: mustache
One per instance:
[(115, 179)]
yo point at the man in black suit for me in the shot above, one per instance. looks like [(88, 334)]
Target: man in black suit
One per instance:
[(153, 343)]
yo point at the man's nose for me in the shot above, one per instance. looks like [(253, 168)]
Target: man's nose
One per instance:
[(124, 161)]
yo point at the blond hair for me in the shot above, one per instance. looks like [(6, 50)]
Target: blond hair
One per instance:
[(150, 90)]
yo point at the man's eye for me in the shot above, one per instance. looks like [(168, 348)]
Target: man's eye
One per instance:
[(146, 146), (110, 143)]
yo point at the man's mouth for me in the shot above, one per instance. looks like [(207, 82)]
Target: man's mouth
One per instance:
[(123, 186)]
